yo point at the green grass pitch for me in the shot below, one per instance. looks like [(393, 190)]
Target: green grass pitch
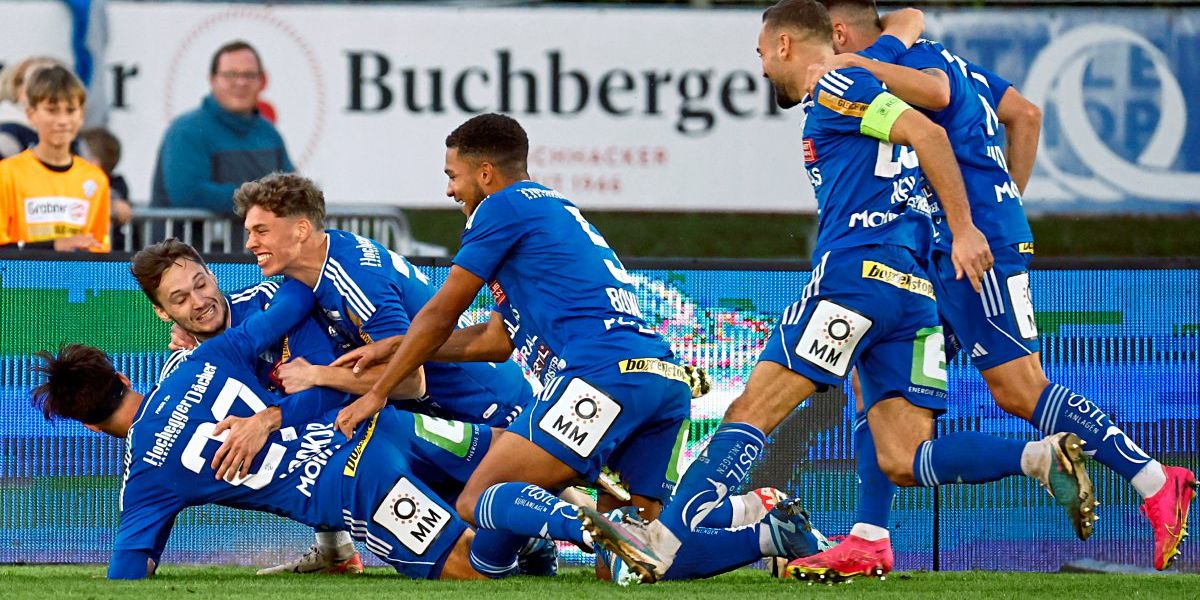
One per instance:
[(63, 582)]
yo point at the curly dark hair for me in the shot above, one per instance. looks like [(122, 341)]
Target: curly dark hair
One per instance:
[(80, 383), (151, 262), (284, 195), (495, 138)]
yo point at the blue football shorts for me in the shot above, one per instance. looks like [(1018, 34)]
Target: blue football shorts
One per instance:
[(995, 326), (871, 307)]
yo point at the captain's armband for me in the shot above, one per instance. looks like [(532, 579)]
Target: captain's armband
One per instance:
[(881, 114)]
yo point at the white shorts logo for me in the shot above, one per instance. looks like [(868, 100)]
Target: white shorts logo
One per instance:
[(580, 417), (411, 516), (832, 334), (1022, 305)]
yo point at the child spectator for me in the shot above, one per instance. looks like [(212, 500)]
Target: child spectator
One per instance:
[(16, 134), (50, 198), (103, 149)]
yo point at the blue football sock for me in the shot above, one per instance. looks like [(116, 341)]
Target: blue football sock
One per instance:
[(529, 511), (711, 552), (494, 552), (966, 457), (722, 467), (720, 517), (1060, 410), (875, 490)]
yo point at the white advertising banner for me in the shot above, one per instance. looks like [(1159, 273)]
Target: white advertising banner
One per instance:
[(625, 109), (629, 108)]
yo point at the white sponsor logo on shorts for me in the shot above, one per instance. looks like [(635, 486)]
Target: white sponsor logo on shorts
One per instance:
[(580, 417), (411, 516), (832, 334)]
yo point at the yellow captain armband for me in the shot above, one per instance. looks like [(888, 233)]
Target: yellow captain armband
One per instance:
[(880, 115)]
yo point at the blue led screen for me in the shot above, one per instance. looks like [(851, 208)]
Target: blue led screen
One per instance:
[(1129, 339)]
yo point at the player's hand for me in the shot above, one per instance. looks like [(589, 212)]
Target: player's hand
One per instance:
[(82, 241), (971, 256), (838, 61), (907, 24), (247, 436), (349, 418), (181, 340), (365, 357), (298, 375)]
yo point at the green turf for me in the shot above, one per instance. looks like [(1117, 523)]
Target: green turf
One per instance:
[(63, 582)]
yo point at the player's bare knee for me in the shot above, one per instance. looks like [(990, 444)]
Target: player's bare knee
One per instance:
[(465, 505), (898, 468)]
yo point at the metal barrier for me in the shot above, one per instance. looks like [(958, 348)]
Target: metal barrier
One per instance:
[(210, 232)]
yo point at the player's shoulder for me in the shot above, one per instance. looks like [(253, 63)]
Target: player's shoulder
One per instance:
[(847, 92), (258, 294), (176, 359), (352, 254), (496, 209)]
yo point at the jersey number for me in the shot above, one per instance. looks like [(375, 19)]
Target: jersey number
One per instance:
[(193, 457)]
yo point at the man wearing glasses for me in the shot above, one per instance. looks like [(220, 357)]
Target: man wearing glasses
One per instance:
[(208, 152)]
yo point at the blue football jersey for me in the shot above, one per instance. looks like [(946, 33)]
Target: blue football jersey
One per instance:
[(367, 293), (306, 340), (170, 446), (973, 128), (559, 273), (531, 351), (854, 176)]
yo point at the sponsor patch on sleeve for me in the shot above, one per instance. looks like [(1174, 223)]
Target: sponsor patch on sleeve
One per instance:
[(843, 106), (810, 151)]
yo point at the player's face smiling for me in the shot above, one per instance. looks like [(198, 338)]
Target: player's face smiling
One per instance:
[(274, 240), (774, 68), (188, 295), (463, 187)]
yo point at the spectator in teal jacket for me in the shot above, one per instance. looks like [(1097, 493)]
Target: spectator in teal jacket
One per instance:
[(208, 152)]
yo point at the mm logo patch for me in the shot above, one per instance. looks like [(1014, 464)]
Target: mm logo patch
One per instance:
[(411, 516), (580, 417), (832, 334)]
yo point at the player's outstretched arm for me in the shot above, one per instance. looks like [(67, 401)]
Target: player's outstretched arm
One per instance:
[(429, 330), (485, 342), (970, 252), (927, 88), (1022, 121), (906, 25), (299, 375)]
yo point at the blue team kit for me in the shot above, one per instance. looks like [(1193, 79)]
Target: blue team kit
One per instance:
[(996, 326), (615, 395), (367, 293), (869, 301), (307, 471)]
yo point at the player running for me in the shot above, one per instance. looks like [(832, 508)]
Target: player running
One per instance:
[(868, 303), (997, 325)]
